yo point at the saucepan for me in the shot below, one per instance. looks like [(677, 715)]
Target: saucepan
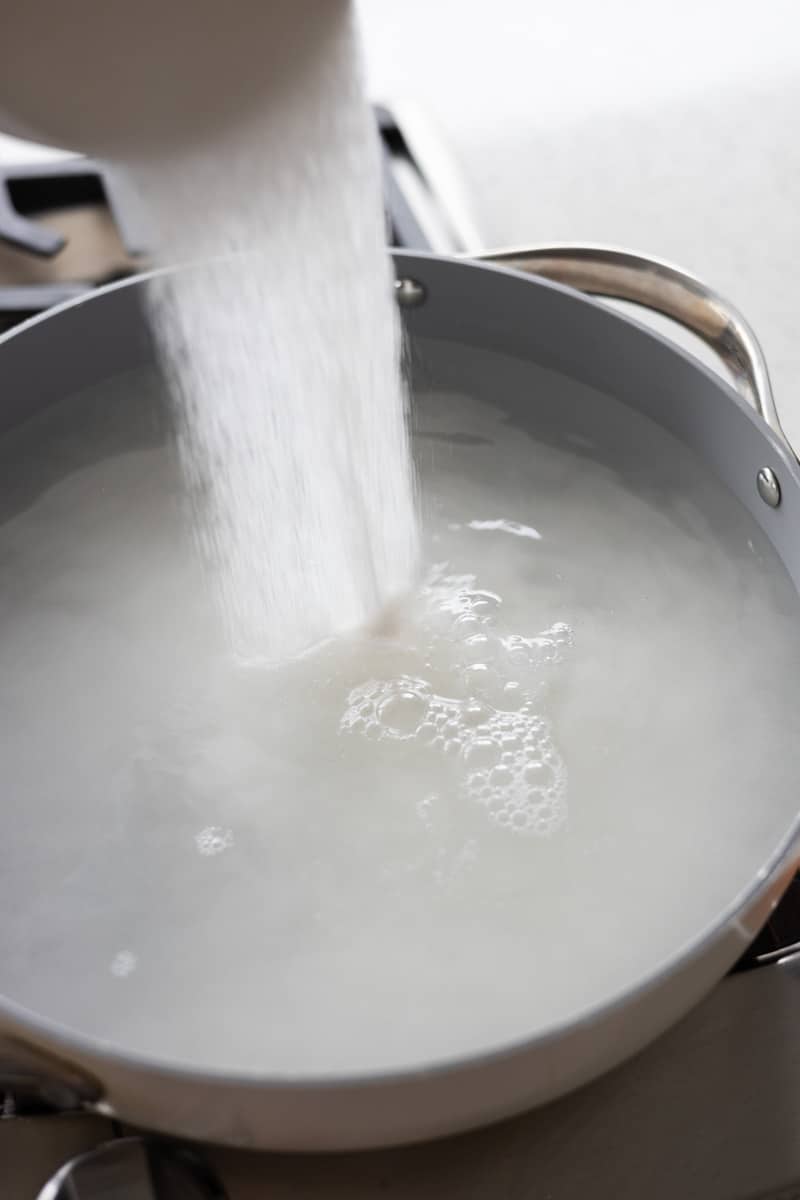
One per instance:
[(535, 305)]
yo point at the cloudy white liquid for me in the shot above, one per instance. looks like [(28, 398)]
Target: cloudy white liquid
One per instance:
[(573, 750)]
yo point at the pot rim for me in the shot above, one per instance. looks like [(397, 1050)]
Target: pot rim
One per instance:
[(17, 1021)]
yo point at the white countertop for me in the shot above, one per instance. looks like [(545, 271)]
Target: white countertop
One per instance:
[(671, 130)]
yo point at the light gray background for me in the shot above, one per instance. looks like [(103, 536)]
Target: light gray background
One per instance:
[(672, 129)]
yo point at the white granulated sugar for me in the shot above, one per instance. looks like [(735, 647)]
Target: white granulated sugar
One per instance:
[(284, 359)]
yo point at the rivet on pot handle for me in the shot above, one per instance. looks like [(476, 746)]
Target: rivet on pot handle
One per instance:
[(651, 283)]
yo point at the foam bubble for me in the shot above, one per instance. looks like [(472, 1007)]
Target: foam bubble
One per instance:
[(213, 840), (485, 719), (123, 964)]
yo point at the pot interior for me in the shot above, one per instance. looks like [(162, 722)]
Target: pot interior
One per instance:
[(568, 762)]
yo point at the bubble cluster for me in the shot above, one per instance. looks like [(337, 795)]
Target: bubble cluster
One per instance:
[(395, 709), (516, 773), (484, 715), (213, 840), (123, 964)]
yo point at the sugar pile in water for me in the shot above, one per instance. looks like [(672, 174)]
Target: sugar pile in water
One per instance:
[(283, 354)]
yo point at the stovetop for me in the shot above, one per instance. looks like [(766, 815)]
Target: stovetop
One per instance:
[(712, 1110)]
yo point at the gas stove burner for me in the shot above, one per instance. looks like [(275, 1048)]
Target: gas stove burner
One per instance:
[(69, 225)]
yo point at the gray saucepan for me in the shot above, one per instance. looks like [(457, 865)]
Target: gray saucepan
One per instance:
[(530, 304)]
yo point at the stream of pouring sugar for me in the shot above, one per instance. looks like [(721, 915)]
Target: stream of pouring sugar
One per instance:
[(284, 353)]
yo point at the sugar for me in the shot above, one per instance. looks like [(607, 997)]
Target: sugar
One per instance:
[(283, 354)]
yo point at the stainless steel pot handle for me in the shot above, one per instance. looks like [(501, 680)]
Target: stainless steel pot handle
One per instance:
[(622, 275), (135, 1168)]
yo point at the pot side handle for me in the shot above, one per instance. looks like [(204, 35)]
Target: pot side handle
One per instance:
[(622, 275)]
